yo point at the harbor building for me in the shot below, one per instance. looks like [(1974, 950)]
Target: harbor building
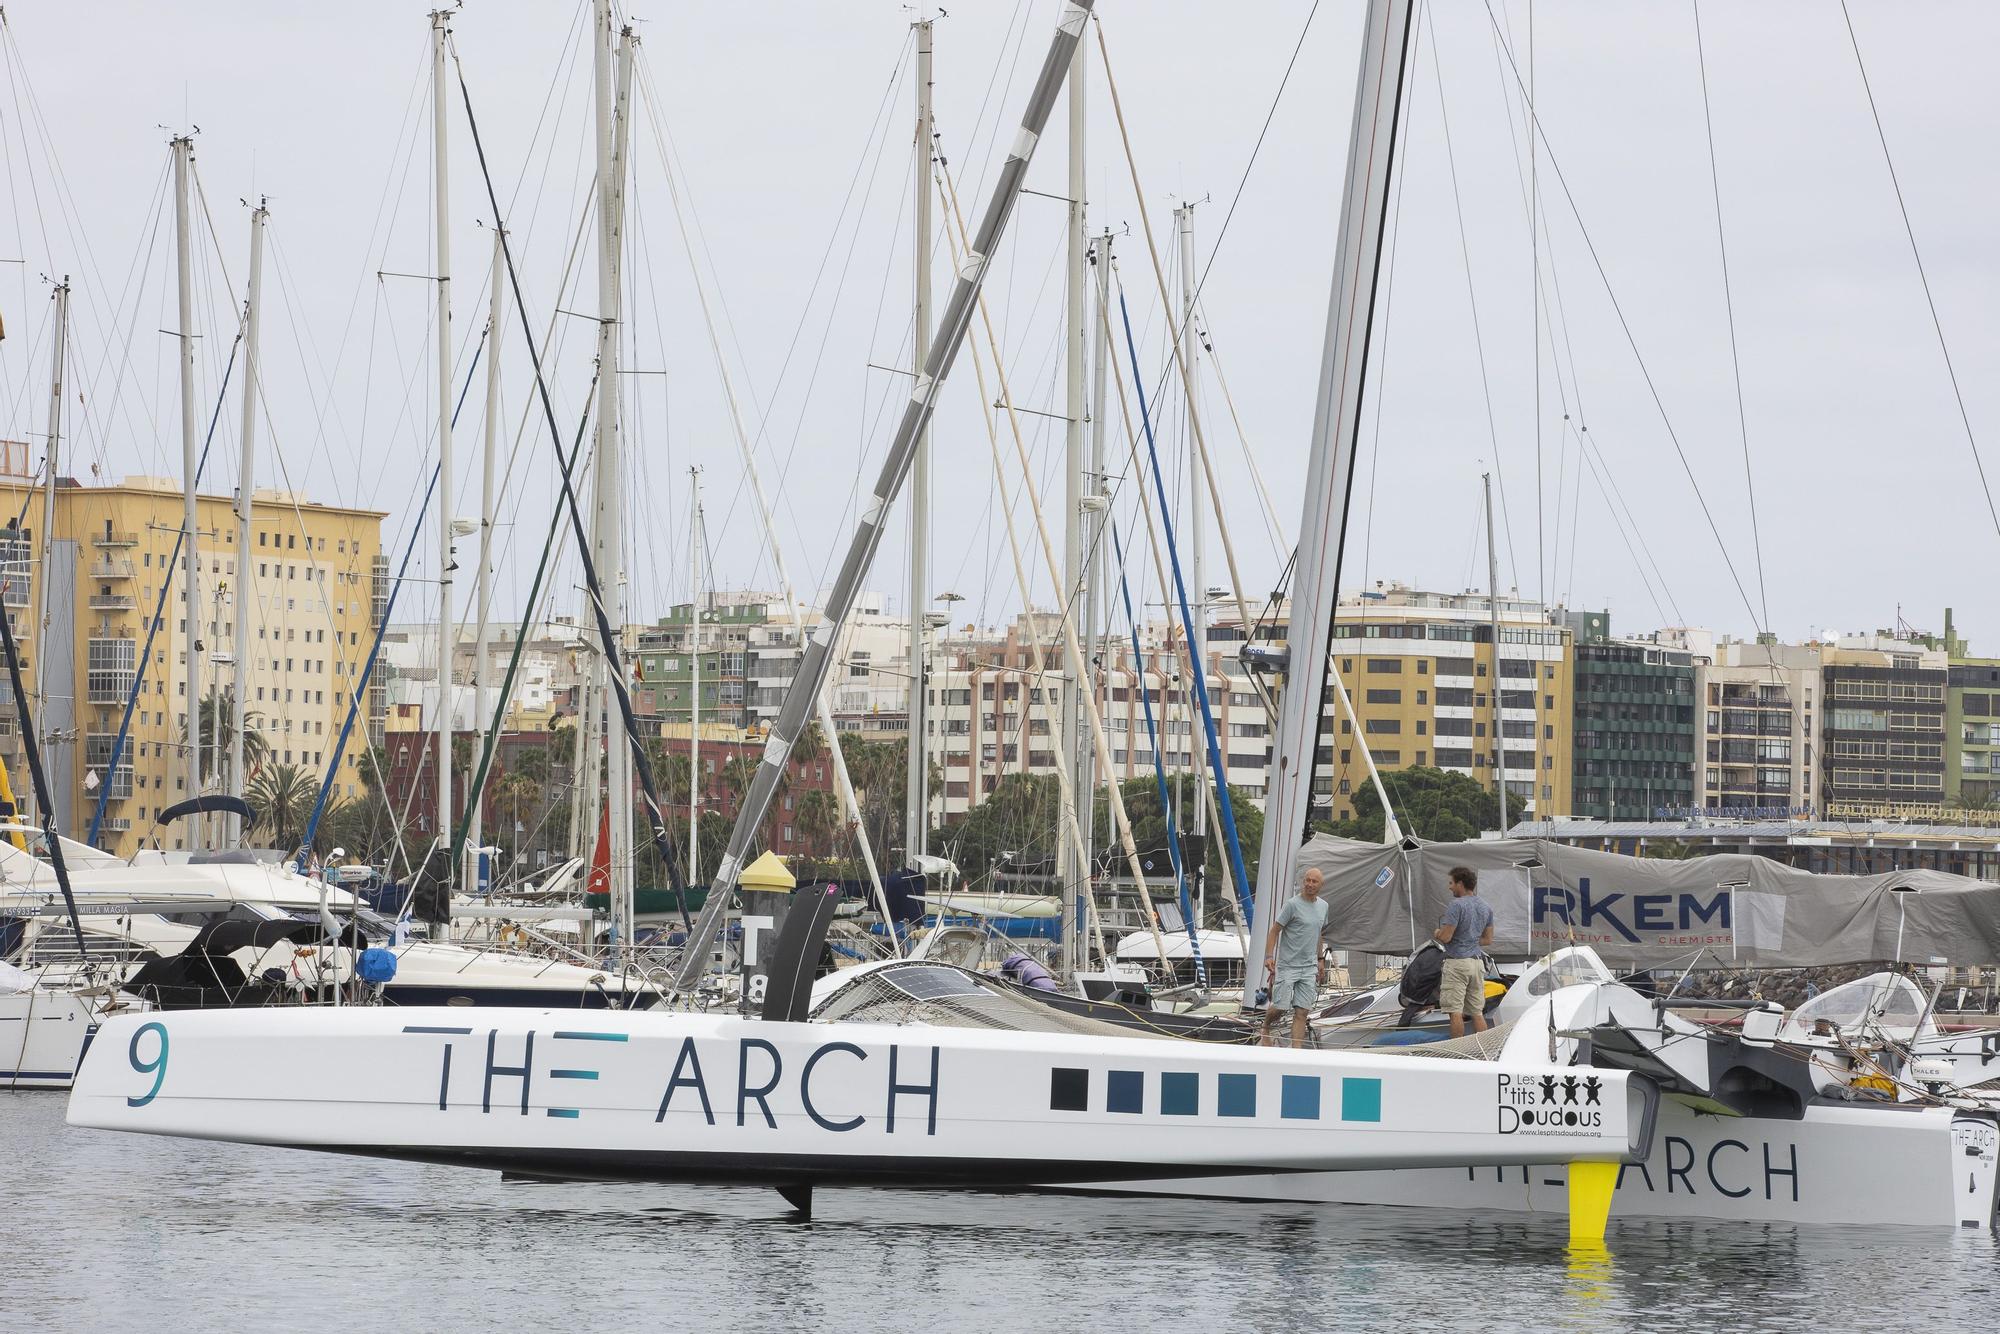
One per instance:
[(1760, 726), (749, 653), (1883, 739), (84, 570), (1421, 669), (1635, 725)]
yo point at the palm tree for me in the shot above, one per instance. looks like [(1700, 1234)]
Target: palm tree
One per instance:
[(222, 702), (819, 820), (281, 799)]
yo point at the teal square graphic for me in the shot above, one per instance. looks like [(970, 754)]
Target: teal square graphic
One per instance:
[(1361, 1100), (1180, 1094)]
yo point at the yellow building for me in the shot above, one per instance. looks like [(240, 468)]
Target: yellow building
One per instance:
[(1420, 670), (310, 584)]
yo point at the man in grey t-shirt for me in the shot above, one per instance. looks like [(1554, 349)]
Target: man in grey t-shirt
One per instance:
[(1466, 930), (1294, 966)]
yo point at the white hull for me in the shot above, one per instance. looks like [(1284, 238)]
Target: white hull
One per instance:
[(1851, 1164), (43, 1035), (701, 1097)]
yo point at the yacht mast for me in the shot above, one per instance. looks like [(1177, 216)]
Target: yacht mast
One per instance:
[(1197, 563), (183, 148), (53, 460), (1493, 620), (1076, 862), (867, 536), (441, 211), (246, 494), (916, 815), (496, 306), (1330, 470), (245, 505), (694, 676), (1092, 517), (612, 51)]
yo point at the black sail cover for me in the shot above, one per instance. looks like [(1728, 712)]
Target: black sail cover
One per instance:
[(1721, 911)]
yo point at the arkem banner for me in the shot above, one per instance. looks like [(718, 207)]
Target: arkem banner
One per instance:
[(1726, 910)]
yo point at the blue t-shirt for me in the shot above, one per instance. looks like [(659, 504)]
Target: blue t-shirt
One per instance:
[(1468, 917)]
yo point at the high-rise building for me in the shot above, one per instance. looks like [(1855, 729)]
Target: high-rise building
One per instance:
[(88, 578), (1636, 727), (1760, 732), (1421, 670), (1883, 739)]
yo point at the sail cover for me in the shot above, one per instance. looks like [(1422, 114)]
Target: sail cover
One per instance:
[(1721, 911)]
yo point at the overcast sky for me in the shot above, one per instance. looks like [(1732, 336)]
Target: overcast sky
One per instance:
[(790, 125)]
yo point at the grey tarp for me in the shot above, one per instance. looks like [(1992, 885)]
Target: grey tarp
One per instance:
[(1731, 909)]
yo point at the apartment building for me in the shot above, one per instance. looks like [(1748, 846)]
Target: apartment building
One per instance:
[(1883, 737), (1760, 730), (82, 586), (1422, 670), (750, 651)]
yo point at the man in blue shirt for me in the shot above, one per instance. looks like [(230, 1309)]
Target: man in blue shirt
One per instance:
[(1467, 929)]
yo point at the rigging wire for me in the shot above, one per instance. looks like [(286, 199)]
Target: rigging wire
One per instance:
[(1930, 302), (1472, 300), (1631, 339), (1729, 310)]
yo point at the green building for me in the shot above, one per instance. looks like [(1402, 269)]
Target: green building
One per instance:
[(1635, 726), (666, 661)]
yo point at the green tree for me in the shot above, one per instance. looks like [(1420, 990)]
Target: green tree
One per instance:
[(219, 706), (1436, 804), (281, 799), (818, 820)]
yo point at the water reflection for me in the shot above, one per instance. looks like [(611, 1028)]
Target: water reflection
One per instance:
[(173, 1235)]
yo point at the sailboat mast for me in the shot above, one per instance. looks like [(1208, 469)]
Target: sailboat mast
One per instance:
[(496, 307), (441, 217), (1198, 502), (1076, 862), (53, 469), (816, 661), (916, 815), (1094, 544), (694, 676), (183, 148), (246, 491), (611, 51), (1330, 471), (1493, 620)]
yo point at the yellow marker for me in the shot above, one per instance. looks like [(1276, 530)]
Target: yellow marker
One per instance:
[(8, 810), (1590, 1187)]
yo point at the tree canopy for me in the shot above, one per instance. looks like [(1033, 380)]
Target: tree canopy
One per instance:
[(1431, 803)]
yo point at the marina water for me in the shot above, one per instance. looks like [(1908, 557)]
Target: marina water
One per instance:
[(110, 1231)]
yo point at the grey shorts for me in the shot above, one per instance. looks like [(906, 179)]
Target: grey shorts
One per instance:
[(1294, 991)]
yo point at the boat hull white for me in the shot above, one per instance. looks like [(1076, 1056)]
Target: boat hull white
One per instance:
[(701, 1097), (1845, 1164), (43, 1036)]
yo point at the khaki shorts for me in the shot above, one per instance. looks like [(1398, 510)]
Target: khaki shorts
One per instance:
[(1462, 989)]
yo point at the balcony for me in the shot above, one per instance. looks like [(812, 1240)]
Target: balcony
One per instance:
[(112, 602), (108, 568), (109, 538)]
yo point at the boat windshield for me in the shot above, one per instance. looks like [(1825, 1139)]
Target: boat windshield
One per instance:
[(1887, 1002)]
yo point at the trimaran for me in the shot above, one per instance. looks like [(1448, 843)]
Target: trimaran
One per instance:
[(685, 1096)]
